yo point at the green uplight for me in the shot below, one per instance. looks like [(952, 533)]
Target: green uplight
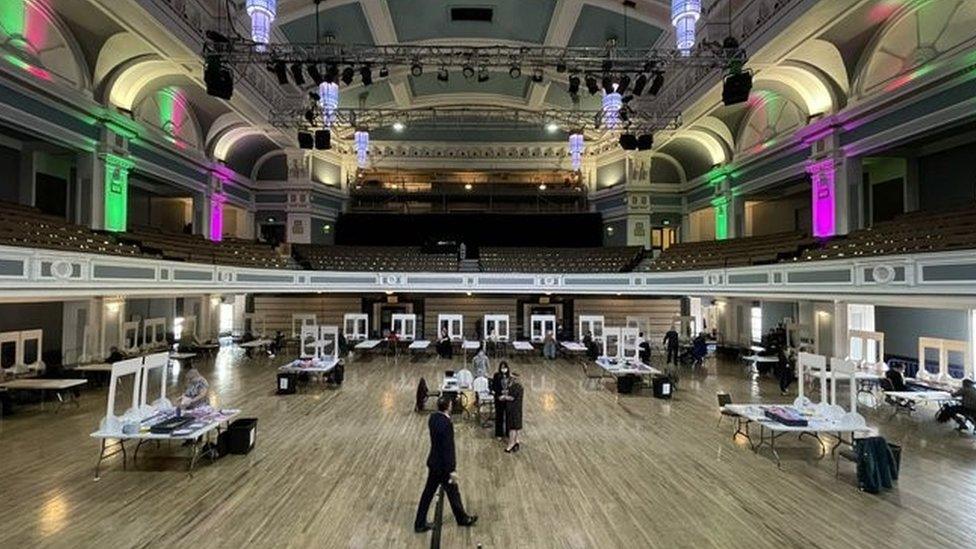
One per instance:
[(116, 192), (721, 206), (13, 16)]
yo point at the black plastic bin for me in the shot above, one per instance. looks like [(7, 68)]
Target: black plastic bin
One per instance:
[(241, 435), (663, 386), (286, 384), (626, 383)]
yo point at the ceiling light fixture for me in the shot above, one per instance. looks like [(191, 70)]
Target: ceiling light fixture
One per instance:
[(552, 127), (398, 126), (468, 71), (515, 71), (443, 75), (416, 69), (483, 74)]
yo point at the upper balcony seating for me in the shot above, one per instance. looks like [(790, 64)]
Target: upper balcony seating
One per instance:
[(915, 232), (736, 252), (560, 260), (197, 249), (28, 226), (372, 258)]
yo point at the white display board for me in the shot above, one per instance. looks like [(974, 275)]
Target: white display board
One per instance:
[(140, 368), (945, 348), (866, 347), (254, 323), (308, 339), (540, 325), (319, 341), (593, 324), (496, 327), (845, 370), (154, 332), (129, 337), (809, 362), (298, 320), (454, 324), (628, 343), (355, 326), (154, 362), (405, 325), (612, 343)]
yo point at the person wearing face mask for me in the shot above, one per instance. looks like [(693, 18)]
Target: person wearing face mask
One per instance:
[(499, 388)]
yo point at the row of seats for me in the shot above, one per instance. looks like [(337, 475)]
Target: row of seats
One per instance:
[(372, 258), (197, 249), (561, 260), (736, 252), (28, 226)]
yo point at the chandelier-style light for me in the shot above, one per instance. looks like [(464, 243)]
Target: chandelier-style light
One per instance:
[(329, 100), (612, 103), (362, 147), (576, 149), (262, 14), (684, 17)]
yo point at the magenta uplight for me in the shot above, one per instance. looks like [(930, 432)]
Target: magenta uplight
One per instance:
[(823, 198)]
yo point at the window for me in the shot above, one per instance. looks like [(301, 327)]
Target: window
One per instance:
[(756, 324)]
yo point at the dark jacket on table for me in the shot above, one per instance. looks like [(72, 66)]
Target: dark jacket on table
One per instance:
[(441, 458)]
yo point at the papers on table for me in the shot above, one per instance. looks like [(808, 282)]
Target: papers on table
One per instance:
[(817, 420), (471, 345), (624, 367), (368, 344), (311, 365), (419, 345), (573, 346), (522, 346), (205, 420), (922, 397)]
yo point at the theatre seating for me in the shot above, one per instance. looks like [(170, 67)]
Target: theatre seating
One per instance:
[(560, 260), (197, 249), (28, 226), (736, 252), (915, 232), (372, 258)]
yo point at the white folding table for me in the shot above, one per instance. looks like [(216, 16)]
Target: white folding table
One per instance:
[(59, 386)]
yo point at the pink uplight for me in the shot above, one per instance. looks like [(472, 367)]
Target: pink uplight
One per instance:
[(216, 217)]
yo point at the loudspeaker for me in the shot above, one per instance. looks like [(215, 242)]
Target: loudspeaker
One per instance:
[(736, 88), (628, 141), (323, 140), (219, 80), (644, 142), (304, 140)]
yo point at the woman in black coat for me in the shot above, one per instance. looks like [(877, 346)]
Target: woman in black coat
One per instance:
[(513, 413), (499, 388)]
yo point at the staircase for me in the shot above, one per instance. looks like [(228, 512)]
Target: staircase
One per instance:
[(469, 266)]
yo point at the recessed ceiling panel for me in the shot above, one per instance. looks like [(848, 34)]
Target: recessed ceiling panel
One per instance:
[(346, 23), (515, 20), (596, 25)]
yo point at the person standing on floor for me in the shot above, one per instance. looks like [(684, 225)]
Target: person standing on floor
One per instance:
[(549, 346), (480, 363), (513, 413), (671, 344), (499, 388), (441, 469)]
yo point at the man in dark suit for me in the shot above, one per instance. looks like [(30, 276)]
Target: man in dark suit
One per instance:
[(440, 469)]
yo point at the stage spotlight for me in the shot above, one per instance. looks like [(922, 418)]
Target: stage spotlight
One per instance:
[(656, 84), (591, 85), (483, 74), (280, 71), (574, 84), (398, 126), (552, 127), (443, 75), (542, 187), (347, 74), (305, 140), (468, 71), (537, 76), (561, 66), (607, 84), (628, 142), (298, 74), (314, 74), (416, 69), (384, 71), (219, 80), (323, 140), (640, 83), (736, 88), (515, 71), (366, 73), (645, 141), (623, 84)]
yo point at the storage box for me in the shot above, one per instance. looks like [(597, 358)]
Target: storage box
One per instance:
[(286, 384), (241, 435), (663, 387)]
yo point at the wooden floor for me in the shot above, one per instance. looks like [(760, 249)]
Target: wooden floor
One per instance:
[(345, 468)]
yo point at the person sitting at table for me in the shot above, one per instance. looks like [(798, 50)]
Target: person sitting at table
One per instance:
[(592, 349), (114, 355), (343, 345), (276, 344), (966, 408), (671, 344), (196, 392), (248, 337), (445, 349), (549, 346), (699, 348), (896, 375), (188, 342), (480, 363), (643, 349)]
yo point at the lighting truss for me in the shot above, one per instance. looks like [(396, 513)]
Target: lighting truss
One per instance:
[(482, 117), (606, 59)]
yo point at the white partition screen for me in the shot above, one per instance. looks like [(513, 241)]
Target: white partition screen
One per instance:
[(540, 325), (154, 363), (592, 324), (843, 369), (308, 340), (612, 343), (121, 369), (866, 347), (454, 324), (154, 332), (945, 360), (31, 345), (405, 325), (298, 320), (811, 362), (129, 337), (328, 342), (355, 326), (496, 327), (628, 343)]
